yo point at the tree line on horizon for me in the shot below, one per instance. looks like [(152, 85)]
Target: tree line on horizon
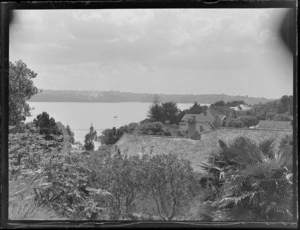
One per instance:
[(116, 96)]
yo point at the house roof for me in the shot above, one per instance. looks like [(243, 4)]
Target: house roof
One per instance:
[(196, 151), (208, 117), (274, 125)]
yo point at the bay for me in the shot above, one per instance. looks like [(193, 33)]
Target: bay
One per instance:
[(80, 116)]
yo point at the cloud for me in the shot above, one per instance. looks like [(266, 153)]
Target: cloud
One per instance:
[(159, 45)]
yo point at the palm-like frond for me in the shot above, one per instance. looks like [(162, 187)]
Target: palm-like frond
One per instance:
[(25, 201), (267, 147), (30, 210), (256, 184)]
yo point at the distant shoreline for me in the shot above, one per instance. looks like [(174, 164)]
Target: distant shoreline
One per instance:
[(121, 97), (102, 102)]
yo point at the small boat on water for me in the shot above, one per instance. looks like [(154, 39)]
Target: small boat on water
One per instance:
[(115, 116)]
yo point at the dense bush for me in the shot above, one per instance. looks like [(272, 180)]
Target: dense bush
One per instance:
[(172, 184), (111, 136), (249, 120), (165, 180), (234, 123), (154, 128), (270, 115), (282, 117), (64, 183)]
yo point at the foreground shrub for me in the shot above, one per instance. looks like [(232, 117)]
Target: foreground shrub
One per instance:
[(234, 123), (252, 182), (172, 184), (64, 181), (23, 203), (164, 182), (249, 120)]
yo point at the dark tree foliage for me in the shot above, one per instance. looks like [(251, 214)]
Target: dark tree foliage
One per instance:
[(156, 111), (181, 114), (197, 109), (111, 136), (235, 103), (219, 103), (270, 115), (170, 112), (282, 117), (89, 139), (46, 125), (163, 112), (21, 89), (249, 120), (268, 110), (154, 128), (234, 123), (285, 104), (71, 134)]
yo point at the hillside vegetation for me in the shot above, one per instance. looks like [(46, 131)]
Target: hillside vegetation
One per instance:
[(116, 96)]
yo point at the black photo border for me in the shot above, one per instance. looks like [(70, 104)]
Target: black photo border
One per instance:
[(5, 12)]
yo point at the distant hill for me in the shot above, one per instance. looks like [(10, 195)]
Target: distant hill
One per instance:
[(116, 96)]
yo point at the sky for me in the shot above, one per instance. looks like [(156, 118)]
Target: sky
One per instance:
[(170, 51)]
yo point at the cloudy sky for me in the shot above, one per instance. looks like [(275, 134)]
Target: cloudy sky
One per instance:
[(183, 51)]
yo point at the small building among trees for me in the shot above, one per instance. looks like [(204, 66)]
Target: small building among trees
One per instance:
[(202, 121)]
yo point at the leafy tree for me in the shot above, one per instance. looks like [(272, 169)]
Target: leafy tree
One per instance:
[(46, 125), (219, 103), (170, 112), (282, 117), (154, 128), (156, 111), (285, 104), (172, 184), (235, 103), (249, 120), (71, 134), (125, 177), (89, 139), (251, 182), (111, 136), (270, 115), (52, 179), (21, 89), (234, 123), (197, 109)]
